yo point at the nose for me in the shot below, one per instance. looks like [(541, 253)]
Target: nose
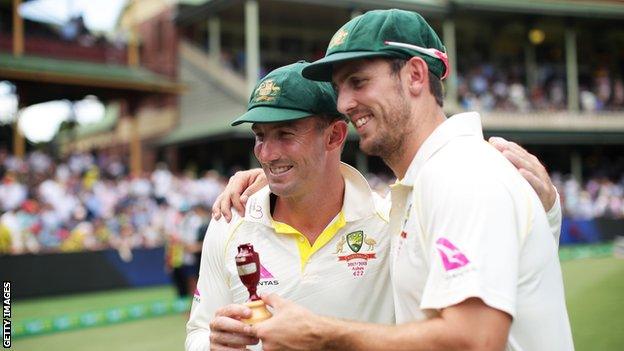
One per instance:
[(345, 101), (266, 151)]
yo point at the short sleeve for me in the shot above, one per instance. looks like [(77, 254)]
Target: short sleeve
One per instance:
[(212, 287), (554, 216), (472, 234)]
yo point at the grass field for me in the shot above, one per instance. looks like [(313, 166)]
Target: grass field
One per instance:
[(594, 289)]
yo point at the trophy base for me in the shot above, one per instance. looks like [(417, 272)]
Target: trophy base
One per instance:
[(259, 312)]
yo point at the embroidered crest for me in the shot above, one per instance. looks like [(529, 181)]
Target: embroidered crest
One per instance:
[(338, 38), (355, 240), (267, 91), (356, 261)]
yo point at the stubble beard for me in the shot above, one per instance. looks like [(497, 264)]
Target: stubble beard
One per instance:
[(391, 137)]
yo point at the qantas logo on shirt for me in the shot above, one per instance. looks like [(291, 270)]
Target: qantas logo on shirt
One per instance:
[(264, 273), (451, 257), (266, 277)]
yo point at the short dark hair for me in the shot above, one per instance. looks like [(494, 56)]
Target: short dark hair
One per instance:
[(323, 121), (435, 84)]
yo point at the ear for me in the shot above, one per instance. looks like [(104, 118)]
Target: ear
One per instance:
[(417, 73), (337, 135)]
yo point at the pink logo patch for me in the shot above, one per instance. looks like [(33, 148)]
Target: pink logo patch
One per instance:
[(451, 256), (264, 273)]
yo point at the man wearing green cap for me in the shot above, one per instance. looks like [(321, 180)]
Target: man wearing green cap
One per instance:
[(318, 228), (472, 264)]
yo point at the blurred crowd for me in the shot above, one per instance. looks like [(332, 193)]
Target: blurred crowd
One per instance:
[(599, 197), (487, 87), (88, 202)]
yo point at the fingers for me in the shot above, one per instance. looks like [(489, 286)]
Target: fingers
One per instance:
[(256, 180), (538, 177), (216, 209), (234, 311), (535, 182), (259, 182), (499, 143), (517, 160), (221, 207), (274, 300), (235, 199), (240, 186), (227, 332), (530, 167), (520, 158)]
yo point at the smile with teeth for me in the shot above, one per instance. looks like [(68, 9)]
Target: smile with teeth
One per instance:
[(279, 170), (362, 121)]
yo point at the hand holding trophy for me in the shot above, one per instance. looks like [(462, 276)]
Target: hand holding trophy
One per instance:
[(248, 266)]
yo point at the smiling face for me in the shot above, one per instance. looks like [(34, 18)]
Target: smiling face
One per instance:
[(292, 155), (373, 98)]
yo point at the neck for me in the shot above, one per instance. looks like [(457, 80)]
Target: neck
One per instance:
[(418, 131), (311, 212)]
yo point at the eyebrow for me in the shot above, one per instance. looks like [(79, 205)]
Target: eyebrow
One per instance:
[(349, 71)]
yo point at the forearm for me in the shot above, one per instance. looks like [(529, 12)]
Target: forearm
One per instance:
[(470, 325), (432, 335)]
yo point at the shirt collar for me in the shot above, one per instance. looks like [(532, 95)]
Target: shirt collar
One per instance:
[(462, 124), (358, 200)]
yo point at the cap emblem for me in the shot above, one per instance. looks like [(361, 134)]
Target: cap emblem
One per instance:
[(338, 38), (267, 91)]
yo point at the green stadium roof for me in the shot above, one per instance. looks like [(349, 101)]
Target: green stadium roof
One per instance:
[(572, 8), (72, 72)]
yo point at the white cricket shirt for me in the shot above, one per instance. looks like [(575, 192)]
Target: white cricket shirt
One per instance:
[(464, 223), (343, 274)]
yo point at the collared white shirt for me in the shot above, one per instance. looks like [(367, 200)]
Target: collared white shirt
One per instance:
[(464, 223), (343, 274)]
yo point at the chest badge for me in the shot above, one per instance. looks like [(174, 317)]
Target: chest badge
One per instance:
[(356, 241)]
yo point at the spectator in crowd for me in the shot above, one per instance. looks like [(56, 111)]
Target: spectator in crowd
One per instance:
[(87, 202), (489, 87), (599, 197)]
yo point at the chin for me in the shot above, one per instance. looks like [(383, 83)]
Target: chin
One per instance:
[(279, 189), (368, 147)]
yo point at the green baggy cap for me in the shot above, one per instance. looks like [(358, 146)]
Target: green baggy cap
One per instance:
[(284, 95), (382, 33)]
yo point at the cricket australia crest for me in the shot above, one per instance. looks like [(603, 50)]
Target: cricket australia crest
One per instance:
[(354, 240), (267, 91), (338, 38), (356, 260)]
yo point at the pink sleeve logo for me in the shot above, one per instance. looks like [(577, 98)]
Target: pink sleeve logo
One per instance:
[(451, 256)]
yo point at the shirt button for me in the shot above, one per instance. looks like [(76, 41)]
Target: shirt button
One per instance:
[(301, 239)]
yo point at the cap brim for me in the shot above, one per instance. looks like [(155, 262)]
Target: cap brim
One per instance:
[(270, 114), (322, 70)]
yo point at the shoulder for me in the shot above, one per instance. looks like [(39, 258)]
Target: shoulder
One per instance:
[(468, 159), (467, 169), (220, 231)]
